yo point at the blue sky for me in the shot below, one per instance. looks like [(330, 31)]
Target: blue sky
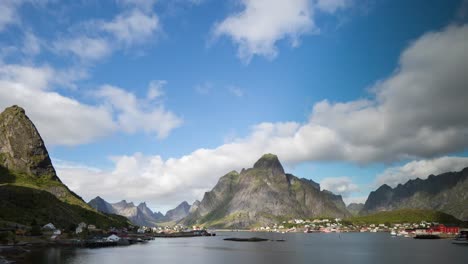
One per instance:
[(125, 93)]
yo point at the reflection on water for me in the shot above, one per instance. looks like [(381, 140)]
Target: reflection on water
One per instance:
[(353, 248)]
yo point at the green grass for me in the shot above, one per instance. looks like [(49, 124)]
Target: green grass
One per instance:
[(405, 216), (23, 205)]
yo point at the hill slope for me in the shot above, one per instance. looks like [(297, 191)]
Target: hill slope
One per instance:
[(405, 216), (447, 192), (26, 172), (263, 194)]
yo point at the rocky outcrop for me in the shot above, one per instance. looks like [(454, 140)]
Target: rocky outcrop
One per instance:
[(262, 195), (446, 192), (28, 179), (178, 213), (22, 149)]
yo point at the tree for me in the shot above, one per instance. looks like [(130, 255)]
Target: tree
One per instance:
[(35, 229)]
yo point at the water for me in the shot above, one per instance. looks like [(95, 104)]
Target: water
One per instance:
[(318, 248)]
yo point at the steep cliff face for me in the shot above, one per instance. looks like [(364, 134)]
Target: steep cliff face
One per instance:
[(21, 147), (178, 213), (447, 192), (28, 180), (263, 194), (24, 159)]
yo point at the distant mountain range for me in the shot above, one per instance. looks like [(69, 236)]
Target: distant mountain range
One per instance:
[(446, 192), (31, 190), (261, 195), (355, 208), (29, 186), (140, 215)]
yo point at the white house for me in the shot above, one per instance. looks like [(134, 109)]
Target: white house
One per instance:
[(49, 226), (113, 238)]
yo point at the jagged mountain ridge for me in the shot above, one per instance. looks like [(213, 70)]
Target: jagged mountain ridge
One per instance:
[(263, 194), (446, 192), (140, 215)]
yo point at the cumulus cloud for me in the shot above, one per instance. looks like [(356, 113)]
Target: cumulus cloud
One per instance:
[(135, 114), (331, 6), (355, 199), (86, 48), (60, 119), (132, 27), (63, 120), (339, 185), (8, 12), (419, 111), (420, 169), (260, 24), (96, 39)]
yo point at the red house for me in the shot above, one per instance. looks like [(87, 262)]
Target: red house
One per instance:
[(446, 229)]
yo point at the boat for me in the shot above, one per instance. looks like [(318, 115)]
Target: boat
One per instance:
[(461, 238), (393, 233), (251, 239)]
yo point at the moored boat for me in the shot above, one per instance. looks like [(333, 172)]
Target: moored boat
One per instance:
[(461, 238)]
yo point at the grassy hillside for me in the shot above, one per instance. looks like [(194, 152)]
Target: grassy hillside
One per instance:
[(405, 216), (23, 205)]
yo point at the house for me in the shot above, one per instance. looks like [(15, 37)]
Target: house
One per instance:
[(445, 229), (113, 238), (91, 227), (49, 226)]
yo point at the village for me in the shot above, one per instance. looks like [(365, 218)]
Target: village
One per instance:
[(423, 229), (88, 235)]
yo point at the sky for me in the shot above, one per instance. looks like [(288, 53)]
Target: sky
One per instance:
[(153, 101)]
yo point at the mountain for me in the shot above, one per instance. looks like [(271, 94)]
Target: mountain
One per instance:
[(194, 206), (261, 195), (405, 216), (102, 206), (178, 213), (355, 208), (29, 186), (139, 215), (446, 192)]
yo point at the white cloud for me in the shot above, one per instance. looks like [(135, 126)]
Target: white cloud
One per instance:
[(86, 48), (339, 185), (132, 27), (355, 199), (262, 23), (155, 89), (62, 120), (237, 91), (31, 44), (8, 12), (331, 6), (420, 169), (134, 114), (93, 40), (419, 111)]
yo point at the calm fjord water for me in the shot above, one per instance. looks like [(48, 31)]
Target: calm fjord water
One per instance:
[(355, 248)]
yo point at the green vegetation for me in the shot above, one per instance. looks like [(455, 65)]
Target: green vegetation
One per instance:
[(405, 216), (47, 183), (25, 205)]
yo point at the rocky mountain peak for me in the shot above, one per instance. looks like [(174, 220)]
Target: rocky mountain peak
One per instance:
[(21, 147), (269, 162)]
